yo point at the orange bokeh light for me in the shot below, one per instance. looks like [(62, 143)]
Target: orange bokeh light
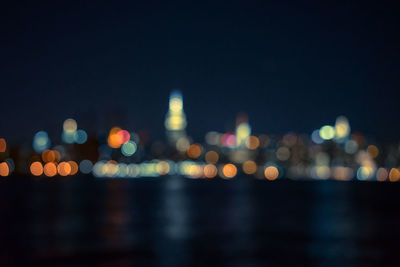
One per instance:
[(48, 156), (249, 167), (211, 157), (194, 151), (4, 169), (51, 156), (50, 169), (3, 145), (373, 151), (271, 173), (36, 168), (118, 137), (229, 170), (74, 167), (394, 175), (64, 169), (252, 142), (210, 171)]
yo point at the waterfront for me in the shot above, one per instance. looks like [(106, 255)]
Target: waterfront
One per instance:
[(175, 221)]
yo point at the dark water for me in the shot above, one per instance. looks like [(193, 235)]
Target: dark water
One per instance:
[(174, 221)]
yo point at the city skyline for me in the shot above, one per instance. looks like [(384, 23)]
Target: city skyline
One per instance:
[(329, 152)]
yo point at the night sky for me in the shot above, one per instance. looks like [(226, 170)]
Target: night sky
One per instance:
[(290, 66)]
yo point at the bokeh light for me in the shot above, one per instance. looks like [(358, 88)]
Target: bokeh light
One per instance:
[(36, 168), (80, 137), (123, 136), (229, 170), (70, 126), (50, 169), (68, 137), (194, 151), (351, 147), (271, 173), (51, 156), (382, 174), (283, 153), (365, 173), (3, 145), (74, 167), (252, 142), (228, 140), (212, 138), (394, 175), (210, 171), (316, 137), (85, 166), (342, 173), (373, 151), (342, 128), (129, 148), (64, 168), (163, 167), (327, 132), (243, 131), (211, 157), (249, 167), (41, 141), (4, 169), (182, 144), (114, 141)]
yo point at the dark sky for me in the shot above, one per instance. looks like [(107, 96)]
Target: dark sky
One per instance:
[(290, 66)]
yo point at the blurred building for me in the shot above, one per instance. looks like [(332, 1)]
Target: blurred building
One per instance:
[(175, 120)]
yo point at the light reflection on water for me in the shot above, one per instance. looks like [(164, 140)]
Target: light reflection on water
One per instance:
[(176, 221)]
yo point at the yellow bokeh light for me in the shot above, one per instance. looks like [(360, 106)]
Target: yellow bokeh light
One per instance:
[(323, 172), (50, 169), (175, 123), (175, 119), (195, 171), (210, 171), (271, 173), (249, 167), (243, 131), (163, 167), (211, 157), (70, 126), (4, 169), (229, 170), (342, 127), (327, 132), (36, 168), (175, 104)]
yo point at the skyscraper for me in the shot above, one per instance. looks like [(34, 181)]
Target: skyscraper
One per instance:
[(175, 120)]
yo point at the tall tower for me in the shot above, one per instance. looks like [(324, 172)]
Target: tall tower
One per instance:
[(175, 120), (243, 130)]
